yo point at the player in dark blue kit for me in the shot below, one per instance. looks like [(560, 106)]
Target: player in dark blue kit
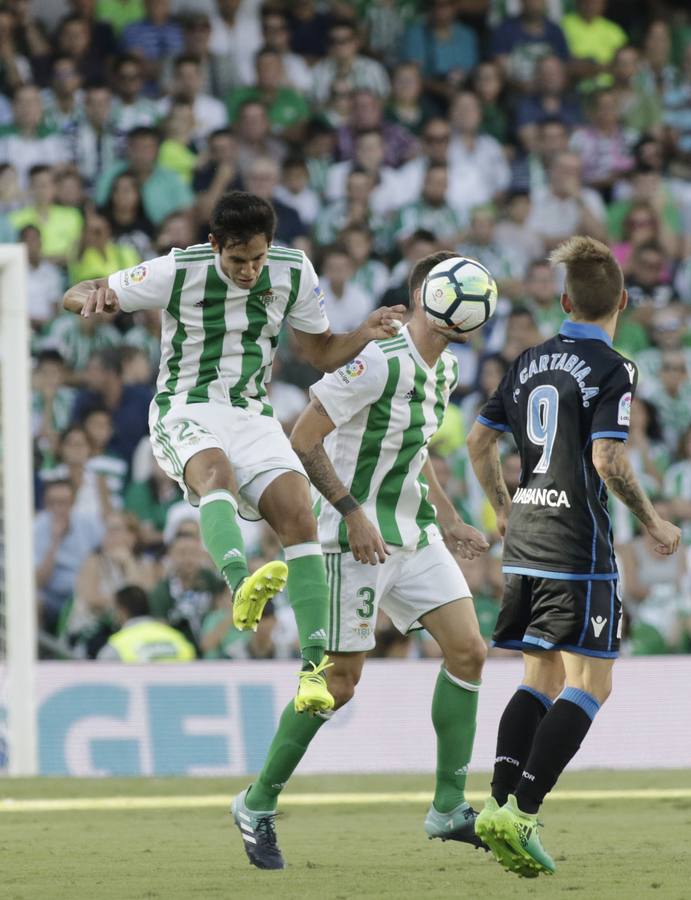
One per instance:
[(567, 403)]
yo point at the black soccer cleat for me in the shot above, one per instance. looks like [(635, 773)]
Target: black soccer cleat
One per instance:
[(258, 834)]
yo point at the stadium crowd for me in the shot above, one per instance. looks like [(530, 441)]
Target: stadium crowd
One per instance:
[(381, 132)]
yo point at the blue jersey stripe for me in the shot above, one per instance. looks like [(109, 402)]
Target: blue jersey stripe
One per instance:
[(490, 424), (561, 576), (618, 435)]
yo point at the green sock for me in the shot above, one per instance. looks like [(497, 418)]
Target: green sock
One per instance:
[(222, 536), (308, 594), (454, 712), (292, 738)]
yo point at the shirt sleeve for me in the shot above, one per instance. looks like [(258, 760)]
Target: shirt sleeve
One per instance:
[(612, 415), (145, 286), (493, 413), (357, 384), (308, 313)]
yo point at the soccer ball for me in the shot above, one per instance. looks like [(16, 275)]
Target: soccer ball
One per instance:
[(459, 293)]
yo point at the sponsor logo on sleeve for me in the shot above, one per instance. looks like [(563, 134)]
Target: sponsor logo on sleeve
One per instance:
[(135, 276), (352, 370), (321, 300), (624, 411)]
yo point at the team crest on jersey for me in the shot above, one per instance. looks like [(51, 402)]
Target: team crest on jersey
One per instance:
[(351, 370), (624, 411), (268, 297), (134, 276)]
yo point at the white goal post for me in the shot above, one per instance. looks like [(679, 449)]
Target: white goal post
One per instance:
[(18, 590)]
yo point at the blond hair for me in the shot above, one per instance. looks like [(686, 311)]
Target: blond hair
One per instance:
[(594, 280)]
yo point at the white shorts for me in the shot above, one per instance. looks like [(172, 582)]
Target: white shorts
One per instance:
[(256, 446), (409, 584)]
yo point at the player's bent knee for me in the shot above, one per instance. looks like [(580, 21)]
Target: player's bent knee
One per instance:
[(298, 527), (466, 659)]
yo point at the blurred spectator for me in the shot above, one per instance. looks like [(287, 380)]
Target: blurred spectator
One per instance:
[(178, 151), (602, 145), (276, 34), (188, 591), (529, 170), (420, 244), (367, 114), (370, 274), (646, 283), (445, 50), (431, 212), (154, 38), (236, 34), (645, 446), (490, 371), (63, 102), (639, 107), (216, 176), (15, 69), (63, 539), (593, 40), (176, 230), (44, 280), (76, 338), (671, 394), (94, 140), (285, 106), (658, 72), (512, 231), (145, 335), (218, 72), (565, 207), (320, 148), (128, 404), (162, 190), (105, 460), (520, 42), (489, 86), (479, 158), (71, 190), (676, 115), (677, 487), (502, 261), (51, 402), (60, 226), (384, 24), (221, 640), (187, 84), (408, 106), (115, 563), (347, 305), (641, 226), (27, 143), (647, 186), (131, 109), (150, 501), (345, 62), (551, 100), (101, 37), (141, 638), (11, 196), (294, 190), (98, 254), (253, 131), (77, 39), (353, 209), (92, 495), (262, 179), (368, 155), (521, 333), (336, 111), (124, 210), (542, 297), (136, 365), (308, 25), (119, 13)]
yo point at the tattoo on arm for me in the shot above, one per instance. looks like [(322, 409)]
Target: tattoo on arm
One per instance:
[(487, 468), (612, 462), (316, 405), (323, 476)]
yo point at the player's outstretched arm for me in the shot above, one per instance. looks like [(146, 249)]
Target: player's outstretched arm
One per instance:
[(89, 297), (327, 351), (307, 439), (484, 457), (614, 467), (462, 540)]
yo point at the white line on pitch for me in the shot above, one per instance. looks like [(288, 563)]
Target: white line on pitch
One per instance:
[(202, 801)]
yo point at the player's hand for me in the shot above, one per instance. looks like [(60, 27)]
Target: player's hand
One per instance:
[(384, 322), (666, 536), (366, 544), (100, 300), (464, 540)]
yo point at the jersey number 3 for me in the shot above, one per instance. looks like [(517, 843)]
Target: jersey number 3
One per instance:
[(543, 415)]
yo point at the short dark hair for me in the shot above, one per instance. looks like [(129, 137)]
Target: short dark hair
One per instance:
[(49, 355), (424, 266), (133, 600), (39, 169), (143, 131), (126, 59), (239, 216), (109, 358), (185, 59)]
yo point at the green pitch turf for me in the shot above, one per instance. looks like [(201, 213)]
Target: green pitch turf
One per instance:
[(604, 848)]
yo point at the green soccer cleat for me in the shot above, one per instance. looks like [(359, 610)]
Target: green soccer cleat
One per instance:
[(457, 825), (255, 592), (313, 695), (519, 833), (484, 829)]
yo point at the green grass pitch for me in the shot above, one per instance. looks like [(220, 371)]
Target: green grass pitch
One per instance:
[(605, 848)]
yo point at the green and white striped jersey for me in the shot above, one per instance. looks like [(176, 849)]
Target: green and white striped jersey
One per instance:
[(386, 405), (218, 340)]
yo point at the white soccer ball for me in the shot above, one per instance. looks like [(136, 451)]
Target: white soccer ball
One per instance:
[(459, 293)]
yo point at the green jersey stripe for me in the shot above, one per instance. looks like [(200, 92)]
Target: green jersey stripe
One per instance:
[(295, 275), (439, 406), (413, 439), (337, 579), (328, 562), (175, 355), (285, 251), (257, 316), (214, 321), (370, 447)]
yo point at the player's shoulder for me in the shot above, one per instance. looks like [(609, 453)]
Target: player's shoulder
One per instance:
[(286, 256), (192, 256)]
